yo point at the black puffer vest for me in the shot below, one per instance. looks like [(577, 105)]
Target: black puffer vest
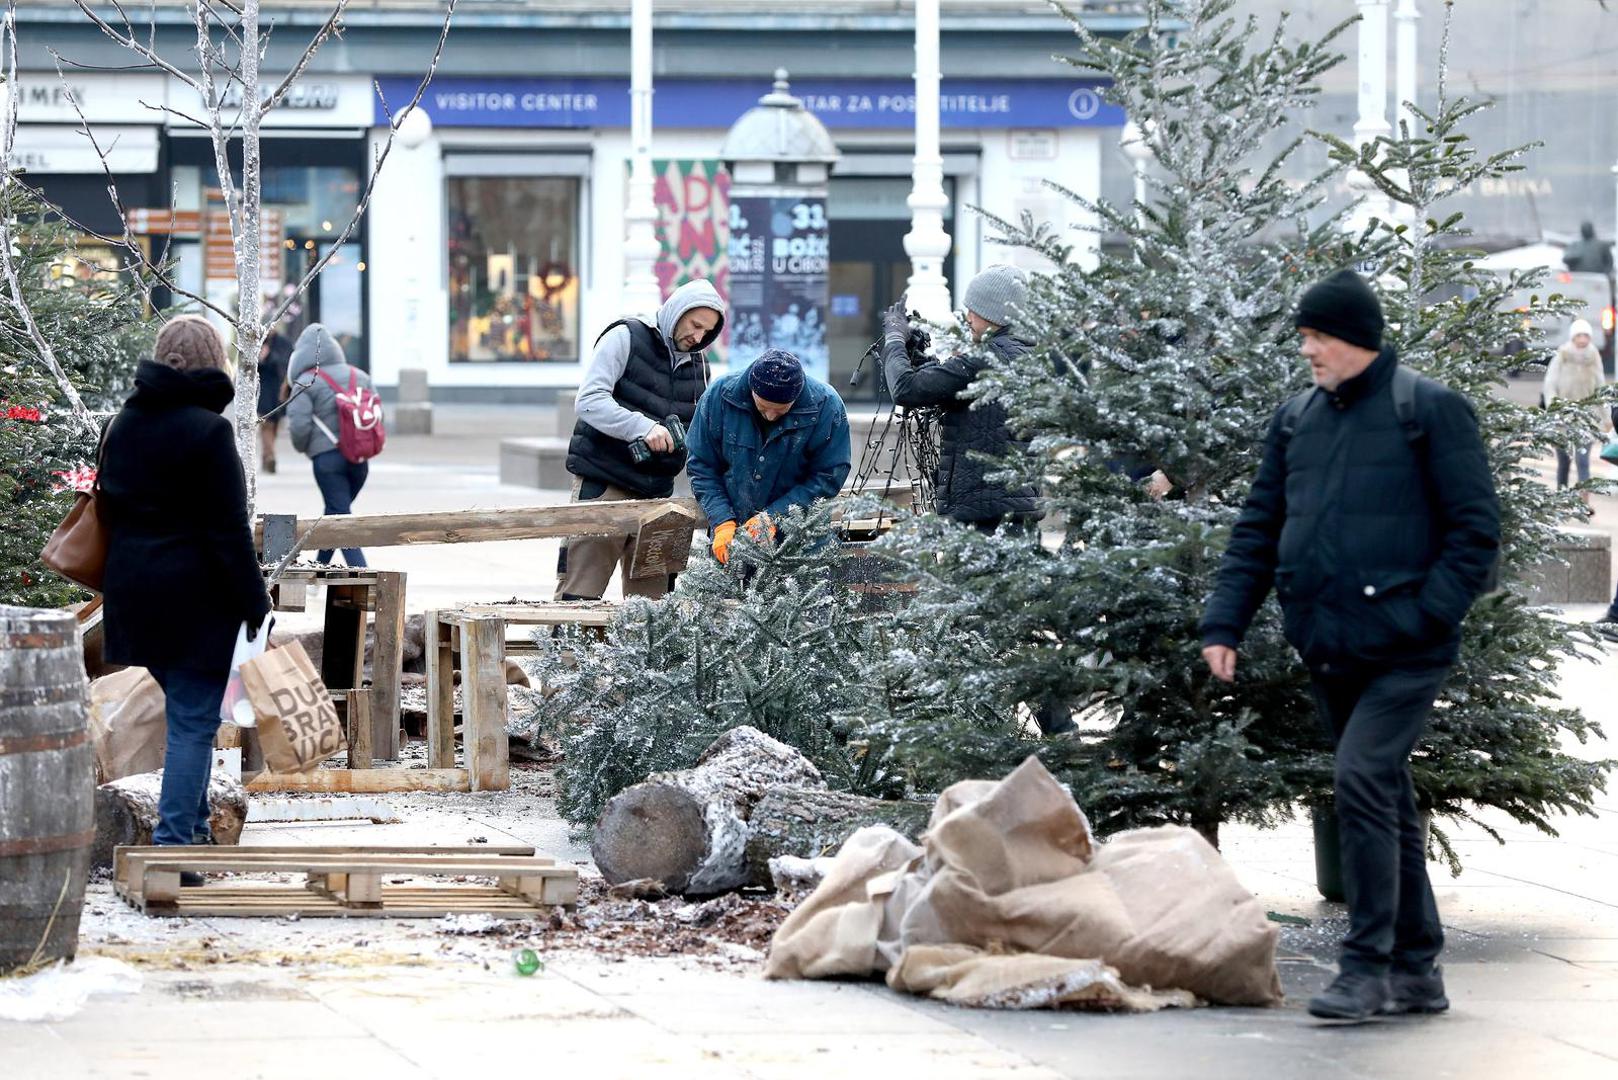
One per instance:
[(651, 386), (964, 492)]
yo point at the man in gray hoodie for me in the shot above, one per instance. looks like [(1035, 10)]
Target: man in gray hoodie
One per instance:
[(314, 423), (641, 375)]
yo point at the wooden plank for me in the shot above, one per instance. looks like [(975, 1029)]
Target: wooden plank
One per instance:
[(440, 692), (387, 663), (364, 781), (483, 702), (662, 543), (124, 850), (360, 728), (553, 613), (601, 517), (413, 865)]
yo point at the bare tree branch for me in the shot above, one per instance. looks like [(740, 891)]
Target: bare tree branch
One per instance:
[(376, 168), (326, 30), (148, 52)]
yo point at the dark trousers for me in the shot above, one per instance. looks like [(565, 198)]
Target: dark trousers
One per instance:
[(191, 707), (340, 481), (1374, 719)]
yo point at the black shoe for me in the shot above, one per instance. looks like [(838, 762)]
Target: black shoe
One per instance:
[(1412, 993), (191, 879), (1352, 996)]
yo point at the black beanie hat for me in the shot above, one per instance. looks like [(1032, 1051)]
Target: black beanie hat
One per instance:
[(1343, 306)]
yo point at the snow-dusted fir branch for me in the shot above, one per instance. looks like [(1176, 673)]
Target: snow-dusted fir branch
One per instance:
[(8, 259)]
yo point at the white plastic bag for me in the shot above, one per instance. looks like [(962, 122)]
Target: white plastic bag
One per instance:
[(235, 708)]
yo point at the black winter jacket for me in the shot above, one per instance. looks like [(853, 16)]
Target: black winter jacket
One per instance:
[(972, 440), (1376, 543), (181, 574)]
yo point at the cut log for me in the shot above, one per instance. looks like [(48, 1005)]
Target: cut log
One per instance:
[(808, 823), (126, 812), (688, 828)]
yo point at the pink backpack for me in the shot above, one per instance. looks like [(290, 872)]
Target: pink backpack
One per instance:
[(359, 414)]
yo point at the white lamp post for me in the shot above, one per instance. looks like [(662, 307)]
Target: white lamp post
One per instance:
[(927, 243), (1373, 106), (641, 294), (1405, 61), (1139, 152)]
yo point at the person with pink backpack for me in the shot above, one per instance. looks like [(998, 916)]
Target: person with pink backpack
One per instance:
[(336, 418)]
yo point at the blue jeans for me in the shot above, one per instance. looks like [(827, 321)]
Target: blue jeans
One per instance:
[(191, 705), (340, 481)]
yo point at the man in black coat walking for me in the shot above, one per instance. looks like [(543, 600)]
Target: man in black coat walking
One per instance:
[(1374, 515)]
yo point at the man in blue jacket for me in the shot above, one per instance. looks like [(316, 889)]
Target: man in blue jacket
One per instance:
[(763, 441)]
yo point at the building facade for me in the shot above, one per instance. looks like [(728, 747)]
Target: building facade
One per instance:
[(492, 252)]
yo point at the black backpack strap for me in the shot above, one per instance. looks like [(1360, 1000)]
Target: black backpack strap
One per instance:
[(1292, 413), (1404, 403)]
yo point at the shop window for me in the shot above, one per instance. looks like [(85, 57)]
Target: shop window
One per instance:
[(513, 268)]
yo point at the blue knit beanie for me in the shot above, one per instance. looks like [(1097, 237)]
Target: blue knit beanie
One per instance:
[(777, 377)]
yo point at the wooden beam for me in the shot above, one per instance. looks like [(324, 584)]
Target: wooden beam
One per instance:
[(555, 613), (387, 662), (364, 781), (601, 517), (440, 647), (483, 698)]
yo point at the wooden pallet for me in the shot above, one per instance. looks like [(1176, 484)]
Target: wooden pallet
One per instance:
[(344, 882)]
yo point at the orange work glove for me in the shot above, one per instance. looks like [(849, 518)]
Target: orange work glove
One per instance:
[(760, 528), (722, 536)]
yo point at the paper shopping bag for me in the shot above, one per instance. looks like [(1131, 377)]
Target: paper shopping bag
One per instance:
[(297, 723)]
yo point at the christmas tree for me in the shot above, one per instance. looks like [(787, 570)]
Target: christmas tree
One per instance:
[(1168, 361), (93, 324), (1496, 735), (778, 640)]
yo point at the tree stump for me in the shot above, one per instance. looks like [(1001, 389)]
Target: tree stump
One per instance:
[(808, 823), (126, 812), (688, 828)]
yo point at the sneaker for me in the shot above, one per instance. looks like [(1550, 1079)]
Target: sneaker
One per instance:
[(1412, 993), (1351, 996)]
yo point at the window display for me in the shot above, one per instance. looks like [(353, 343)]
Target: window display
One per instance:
[(513, 268)]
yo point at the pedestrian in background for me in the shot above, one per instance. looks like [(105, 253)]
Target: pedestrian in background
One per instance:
[(1574, 375), (313, 418), (182, 574), (272, 391), (1374, 515)]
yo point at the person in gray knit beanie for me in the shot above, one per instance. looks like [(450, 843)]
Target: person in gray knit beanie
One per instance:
[(995, 296)]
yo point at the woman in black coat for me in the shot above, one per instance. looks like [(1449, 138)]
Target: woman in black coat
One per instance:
[(182, 575)]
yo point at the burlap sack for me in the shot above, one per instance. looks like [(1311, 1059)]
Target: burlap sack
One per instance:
[(1010, 868), (297, 724), (127, 724)]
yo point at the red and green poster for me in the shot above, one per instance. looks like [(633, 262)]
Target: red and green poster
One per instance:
[(693, 225)]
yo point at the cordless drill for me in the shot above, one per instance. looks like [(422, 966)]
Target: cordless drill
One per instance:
[(643, 453)]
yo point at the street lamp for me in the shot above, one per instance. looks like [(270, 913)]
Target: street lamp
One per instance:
[(927, 243), (1373, 106), (1137, 148), (641, 293), (414, 128)]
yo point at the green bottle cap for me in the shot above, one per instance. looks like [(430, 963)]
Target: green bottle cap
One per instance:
[(529, 962)]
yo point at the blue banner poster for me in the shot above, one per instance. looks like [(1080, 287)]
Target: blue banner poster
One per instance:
[(779, 260)]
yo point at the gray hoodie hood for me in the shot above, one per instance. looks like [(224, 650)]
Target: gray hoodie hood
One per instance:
[(315, 346), (693, 294)]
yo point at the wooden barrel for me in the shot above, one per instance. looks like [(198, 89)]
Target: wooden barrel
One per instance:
[(47, 785)]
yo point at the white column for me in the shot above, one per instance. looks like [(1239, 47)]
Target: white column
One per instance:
[(1373, 107), (927, 243), (641, 295), (1139, 152), (1405, 63)]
